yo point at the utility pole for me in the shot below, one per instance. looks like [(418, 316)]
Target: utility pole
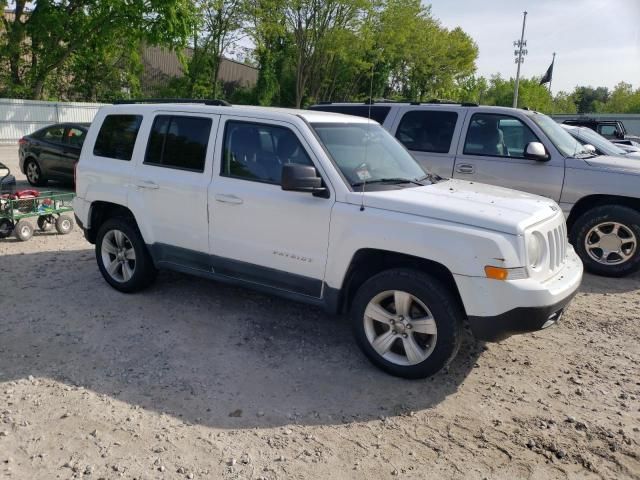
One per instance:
[(519, 53)]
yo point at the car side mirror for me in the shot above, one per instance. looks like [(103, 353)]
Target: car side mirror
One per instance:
[(536, 151), (589, 148), (302, 178)]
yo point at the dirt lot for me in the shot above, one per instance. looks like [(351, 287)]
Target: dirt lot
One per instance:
[(192, 379)]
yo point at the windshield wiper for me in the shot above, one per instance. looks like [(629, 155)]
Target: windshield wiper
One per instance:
[(388, 180)]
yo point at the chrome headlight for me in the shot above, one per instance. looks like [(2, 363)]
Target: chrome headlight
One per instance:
[(535, 249)]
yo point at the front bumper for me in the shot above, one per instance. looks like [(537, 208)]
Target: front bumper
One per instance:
[(498, 309)]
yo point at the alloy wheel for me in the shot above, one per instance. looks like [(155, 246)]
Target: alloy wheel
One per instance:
[(118, 256), (610, 243)]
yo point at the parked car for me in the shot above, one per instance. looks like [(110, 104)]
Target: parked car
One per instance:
[(528, 151), (51, 152), (601, 145), (7, 181), (614, 130), (325, 209)]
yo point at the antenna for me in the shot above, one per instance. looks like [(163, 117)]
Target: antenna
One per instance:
[(364, 181)]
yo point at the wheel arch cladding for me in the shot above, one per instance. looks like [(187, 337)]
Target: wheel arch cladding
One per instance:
[(101, 212), (593, 201)]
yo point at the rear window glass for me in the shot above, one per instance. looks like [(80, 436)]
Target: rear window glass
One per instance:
[(117, 136), (179, 142), (427, 131), (378, 113)]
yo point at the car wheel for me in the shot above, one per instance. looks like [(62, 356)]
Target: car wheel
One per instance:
[(34, 174), (6, 227), (607, 239), (407, 323), (122, 256), (45, 223), (23, 230), (64, 224)]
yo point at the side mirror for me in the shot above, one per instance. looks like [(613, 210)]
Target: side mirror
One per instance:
[(589, 148), (536, 151), (302, 178)]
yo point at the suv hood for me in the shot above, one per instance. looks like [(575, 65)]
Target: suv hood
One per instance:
[(623, 164), (469, 203)]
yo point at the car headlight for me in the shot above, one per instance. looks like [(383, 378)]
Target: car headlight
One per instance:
[(535, 249)]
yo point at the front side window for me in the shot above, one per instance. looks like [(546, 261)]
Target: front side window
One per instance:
[(74, 137), (607, 130), (497, 136), (257, 151), (367, 153), (117, 136), (53, 134), (178, 142), (427, 131)]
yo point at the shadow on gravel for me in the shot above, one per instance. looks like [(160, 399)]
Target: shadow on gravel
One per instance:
[(205, 352), (596, 284)]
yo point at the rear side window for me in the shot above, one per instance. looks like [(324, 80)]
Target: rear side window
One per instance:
[(53, 134), (117, 136), (427, 131), (378, 112), (178, 142)]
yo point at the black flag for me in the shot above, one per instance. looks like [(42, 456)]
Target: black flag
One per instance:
[(547, 76)]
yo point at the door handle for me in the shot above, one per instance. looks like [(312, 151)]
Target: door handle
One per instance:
[(465, 168), (147, 184), (228, 199)]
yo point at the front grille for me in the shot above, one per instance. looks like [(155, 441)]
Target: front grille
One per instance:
[(557, 244)]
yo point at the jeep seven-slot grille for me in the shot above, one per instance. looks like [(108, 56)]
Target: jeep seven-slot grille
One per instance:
[(557, 242)]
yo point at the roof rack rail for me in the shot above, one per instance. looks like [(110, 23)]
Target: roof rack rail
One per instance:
[(371, 101), (469, 104), (211, 102)]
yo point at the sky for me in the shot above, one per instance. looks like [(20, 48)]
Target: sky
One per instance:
[(597, 42)]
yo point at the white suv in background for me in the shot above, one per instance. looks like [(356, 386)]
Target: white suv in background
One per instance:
[(528, 151), (325, 209)]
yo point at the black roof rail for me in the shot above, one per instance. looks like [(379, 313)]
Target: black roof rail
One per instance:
[(212, 102), (469, 104)]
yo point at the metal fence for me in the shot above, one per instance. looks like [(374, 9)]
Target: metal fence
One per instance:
[(21, 117)]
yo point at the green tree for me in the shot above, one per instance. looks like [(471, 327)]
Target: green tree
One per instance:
[(39, 42)]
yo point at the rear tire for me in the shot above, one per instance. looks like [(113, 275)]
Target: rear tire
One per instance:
[(407, 323), (34, 173), (64, 224), (45, 223), (122, 256), (607, 239), (23, 230)]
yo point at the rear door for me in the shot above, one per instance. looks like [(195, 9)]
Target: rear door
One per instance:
[(492, 151), (430, 135), (171, 182), (51, 151)]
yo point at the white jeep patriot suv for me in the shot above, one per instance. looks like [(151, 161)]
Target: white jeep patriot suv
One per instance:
[(326, 209)]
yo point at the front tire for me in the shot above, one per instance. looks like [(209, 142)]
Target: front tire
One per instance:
[(34, 173), (64, 224), (407, 323), (122, 256), (607, 239)]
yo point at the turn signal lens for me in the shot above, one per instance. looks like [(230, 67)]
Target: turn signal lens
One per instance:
[(496, 273)]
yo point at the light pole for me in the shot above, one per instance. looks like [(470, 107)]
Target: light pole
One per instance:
[(519, 53)]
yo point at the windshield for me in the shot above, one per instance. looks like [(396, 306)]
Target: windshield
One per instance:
[(367, 153), (563, 141), (586, 135)]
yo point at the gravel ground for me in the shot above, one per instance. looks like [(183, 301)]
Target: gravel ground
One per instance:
[(193, 379)]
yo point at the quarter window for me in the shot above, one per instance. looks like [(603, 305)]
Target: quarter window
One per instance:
[(607, 130), (178, 142), (497, 136), (258, 152), (427, 131), (117, 136)]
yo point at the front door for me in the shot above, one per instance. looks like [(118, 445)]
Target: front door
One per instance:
[(259, 232), (171, 185), (493, 152), (72, 144)]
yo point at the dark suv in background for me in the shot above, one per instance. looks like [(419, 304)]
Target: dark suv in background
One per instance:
[(52, 152), (613, 130)]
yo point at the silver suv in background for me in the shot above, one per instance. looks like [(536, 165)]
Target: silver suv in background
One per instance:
[(525, 150)]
